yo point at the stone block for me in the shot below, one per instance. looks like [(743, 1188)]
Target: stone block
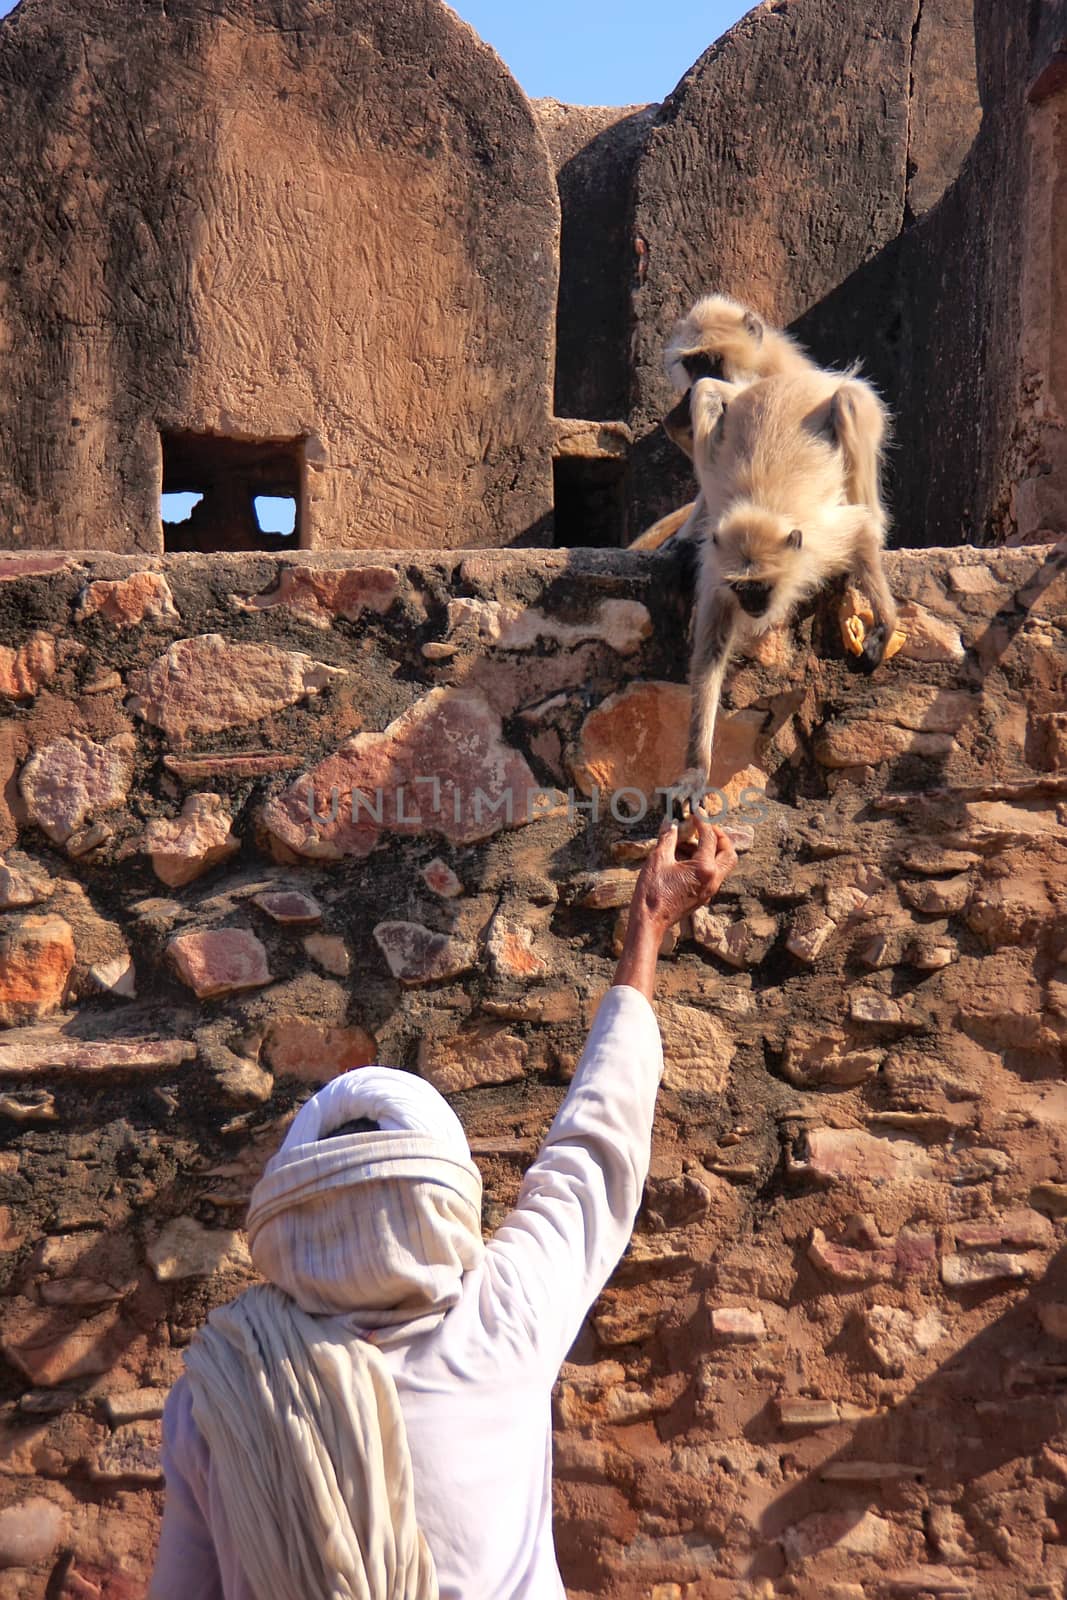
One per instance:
[(219, 961), (206, 684)]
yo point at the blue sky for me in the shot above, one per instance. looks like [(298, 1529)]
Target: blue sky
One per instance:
[(595, 52)]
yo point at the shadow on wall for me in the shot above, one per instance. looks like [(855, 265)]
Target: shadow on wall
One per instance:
[(994, 1398)]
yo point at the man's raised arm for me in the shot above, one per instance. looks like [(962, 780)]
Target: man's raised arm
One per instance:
[(578, 1202)]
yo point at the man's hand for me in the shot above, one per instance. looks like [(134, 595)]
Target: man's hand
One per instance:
[(674, 881)]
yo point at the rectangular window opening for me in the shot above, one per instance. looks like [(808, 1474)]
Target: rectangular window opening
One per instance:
[(591, 500), (222, 494)]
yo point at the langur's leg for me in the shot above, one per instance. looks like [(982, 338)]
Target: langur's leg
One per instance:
[(868, 570)]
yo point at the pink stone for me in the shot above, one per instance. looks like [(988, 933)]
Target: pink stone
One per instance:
[(835, 1153), (865, 744), (477, 1056), (636, 740), (128, 602), (50, 1347), (816, 1058), (29, 1531), (288, 907), (417, 955), (23, 671), (846, 1265), (29, 564), (220, 961), (318, 594), (441, 767), (205, 684), (868, 1005), (183, 848), (36, 958), (1022, 1229), (740, 943), (439, 878), (73, 779), (736, 1325), (316, 1052), (18, 889), (622, 624), (33, 1050), (330, 952), (194, 769), (938, 897), (897, 1338), (988, 1266), (131, 1454), (509, 947), (855, 1532)]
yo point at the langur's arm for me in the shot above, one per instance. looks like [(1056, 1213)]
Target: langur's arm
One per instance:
[(713, 636)]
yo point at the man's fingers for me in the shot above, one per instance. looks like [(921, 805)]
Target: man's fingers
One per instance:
[(667, 843)]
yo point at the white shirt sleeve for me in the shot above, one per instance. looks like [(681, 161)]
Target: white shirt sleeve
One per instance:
[(187, 1562), (553, 1254)]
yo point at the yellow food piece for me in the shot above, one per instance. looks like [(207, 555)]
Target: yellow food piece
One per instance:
[(853, 633)]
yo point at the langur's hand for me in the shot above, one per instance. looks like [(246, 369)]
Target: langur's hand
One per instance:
[(677, 878)]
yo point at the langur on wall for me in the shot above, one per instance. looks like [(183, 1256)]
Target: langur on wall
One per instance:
[(789, 471)]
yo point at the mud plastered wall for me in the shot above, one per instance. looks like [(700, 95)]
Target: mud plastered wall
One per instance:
[(831, 1363)]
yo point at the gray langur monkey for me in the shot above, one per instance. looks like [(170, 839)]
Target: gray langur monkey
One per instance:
[(789, 472)]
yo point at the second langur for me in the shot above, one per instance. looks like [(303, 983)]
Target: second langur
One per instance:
[(719, 338), (789, 471)]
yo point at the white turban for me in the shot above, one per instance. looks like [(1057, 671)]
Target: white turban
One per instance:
[(377, 1226)]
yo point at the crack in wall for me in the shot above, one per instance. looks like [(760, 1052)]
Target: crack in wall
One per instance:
[(907, 214)]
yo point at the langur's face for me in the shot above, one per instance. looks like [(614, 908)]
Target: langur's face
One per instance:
[(755, 552), (678, 424)]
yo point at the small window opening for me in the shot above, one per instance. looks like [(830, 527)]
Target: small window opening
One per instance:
[(177, 507), (590, 501), (231, 494), (276, 513)]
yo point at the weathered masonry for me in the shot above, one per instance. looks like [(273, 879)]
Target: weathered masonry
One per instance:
[(332, 255), (831, 1361)]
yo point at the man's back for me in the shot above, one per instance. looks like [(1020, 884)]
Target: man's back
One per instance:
[(475, 1390)]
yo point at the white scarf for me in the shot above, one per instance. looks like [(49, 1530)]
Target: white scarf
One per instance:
[(362, 1231)]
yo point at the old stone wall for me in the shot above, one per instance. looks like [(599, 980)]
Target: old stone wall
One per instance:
[(332, 230), (832, 1361)]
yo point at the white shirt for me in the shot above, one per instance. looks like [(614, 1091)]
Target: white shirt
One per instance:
[(476, 1390)]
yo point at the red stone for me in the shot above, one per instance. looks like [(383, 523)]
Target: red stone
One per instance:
[(510, 949), (129, 602), (318, 594), (288, 907), (23, 671), (417, 955), (439, 878), (636, 739), (193, 769), (219, 961), (442, 767), (36, 957)]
